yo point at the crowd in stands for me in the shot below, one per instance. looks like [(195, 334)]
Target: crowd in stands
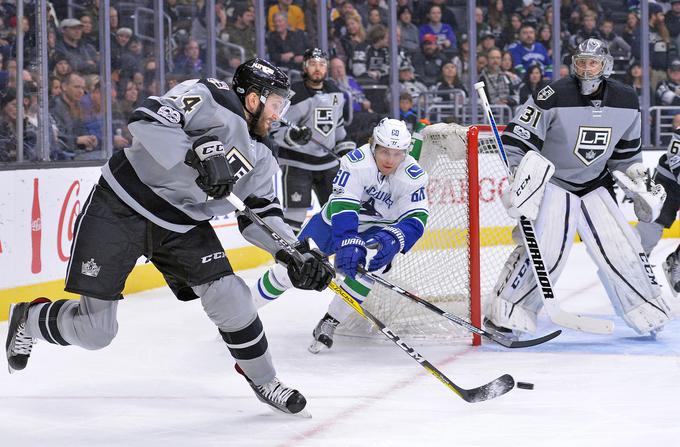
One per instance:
[(514, 47)]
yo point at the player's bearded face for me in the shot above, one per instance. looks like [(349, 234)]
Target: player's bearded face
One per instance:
[(388, 160), (316, 69), (275, 107)]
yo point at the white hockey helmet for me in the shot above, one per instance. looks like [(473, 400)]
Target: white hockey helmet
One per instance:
[(392, 134), (593, 49)]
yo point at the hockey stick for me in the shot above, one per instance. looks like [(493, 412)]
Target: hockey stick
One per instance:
[(495, 388), (557, 315), (508, 343), (293, 126)]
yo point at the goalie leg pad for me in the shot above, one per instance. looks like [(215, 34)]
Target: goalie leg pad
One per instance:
[(614, 246), (516, 301)]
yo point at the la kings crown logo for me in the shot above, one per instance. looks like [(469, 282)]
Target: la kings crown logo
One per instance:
[(323, 120), (592, 143)]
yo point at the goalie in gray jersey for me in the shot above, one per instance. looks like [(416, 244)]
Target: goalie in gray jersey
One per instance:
[(309, 150), (568, 143), (191, 147), (667, 175)]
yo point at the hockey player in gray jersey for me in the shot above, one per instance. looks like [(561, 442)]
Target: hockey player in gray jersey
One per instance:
[(191, 147), (568, 142), (667, 175), (308, 151)]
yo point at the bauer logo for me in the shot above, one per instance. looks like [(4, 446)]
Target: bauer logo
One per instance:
[(323, 120), (592, 143)]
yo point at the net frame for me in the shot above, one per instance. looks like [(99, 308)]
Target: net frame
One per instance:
[(471, 156)]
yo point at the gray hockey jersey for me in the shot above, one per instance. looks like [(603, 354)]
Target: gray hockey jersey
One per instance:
[(323, 112), (152, 178), (585, 137)]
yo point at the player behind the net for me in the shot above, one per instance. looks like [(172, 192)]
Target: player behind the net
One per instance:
[(379, 199), (586, 129), (191, 148), (310, 148), (668, 175)]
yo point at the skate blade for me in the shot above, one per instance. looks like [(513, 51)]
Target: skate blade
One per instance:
[(316, 347), (304, 413)]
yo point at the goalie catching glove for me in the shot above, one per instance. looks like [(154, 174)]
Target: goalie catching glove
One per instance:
[(315, 274), (524, 196), (209, 158), (647, 203)]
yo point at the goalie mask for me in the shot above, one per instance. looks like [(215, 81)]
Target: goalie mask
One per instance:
[(591, 64)]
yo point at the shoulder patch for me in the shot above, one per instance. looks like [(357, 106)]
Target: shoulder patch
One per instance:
[(545, 93), (355, 156), (414, 171)]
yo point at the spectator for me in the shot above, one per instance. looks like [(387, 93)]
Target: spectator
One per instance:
[(408, 82), (498, 21), (448, 81), (199, 27), (673, 22), (55, 87), (286, 46), (533, 83), (373, 19), (90, 32), (8, 135), (564, 71), (410, 36), (618, 47), (355, 37), (364, 10), (660, 49), (119, 44), (462, 60), (370, 61), (69, 118), (530, 13), (339, 17), (406, 112), (509, 69), (511, 31), (587, 31), (190, 63), (113, 20), (128, 101), (62, 66), (240, 32), (668, 90), (483, 28), (293, 14), (428, 66), (81, 56), (448, 17), (545, 38), (446, 38), (634, 78), (631, 34), (51, 43), (527, 52), (487, 41), (498, 85), (132, 58)]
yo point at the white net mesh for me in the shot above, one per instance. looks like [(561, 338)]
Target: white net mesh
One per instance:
[(438, 267)]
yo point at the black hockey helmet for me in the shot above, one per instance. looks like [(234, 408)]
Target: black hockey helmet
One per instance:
[(314, 53), (261, 76)]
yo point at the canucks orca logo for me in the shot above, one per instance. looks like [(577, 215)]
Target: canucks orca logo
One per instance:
[(323, 120), (592, 143), (368, 208)]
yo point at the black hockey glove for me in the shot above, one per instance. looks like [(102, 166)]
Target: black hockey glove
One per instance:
[(300, 135), (315, 274), (209, 158)]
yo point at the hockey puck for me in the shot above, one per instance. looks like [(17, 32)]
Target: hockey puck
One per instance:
[(525, 385)]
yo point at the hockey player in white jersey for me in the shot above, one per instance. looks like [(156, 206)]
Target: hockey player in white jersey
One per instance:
[(191, 147), (309, 150), (667, 175), (379, 199), (585, 129)]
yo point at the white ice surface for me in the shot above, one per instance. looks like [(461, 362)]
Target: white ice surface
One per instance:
[(168, 380)]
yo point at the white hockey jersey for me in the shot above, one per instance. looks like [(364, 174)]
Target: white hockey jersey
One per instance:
[(360, 190)]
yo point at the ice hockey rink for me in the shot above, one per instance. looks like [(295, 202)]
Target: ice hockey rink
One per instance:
[(168, 380)]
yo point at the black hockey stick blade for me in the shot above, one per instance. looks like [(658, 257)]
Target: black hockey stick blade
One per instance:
[(508, 343), (491, 390)]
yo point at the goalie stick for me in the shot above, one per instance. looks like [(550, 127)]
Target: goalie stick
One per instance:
[(543, 282), (493, 336), (493, 389)]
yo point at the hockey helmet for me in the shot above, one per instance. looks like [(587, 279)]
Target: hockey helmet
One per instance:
[(314, 53), (392, 134), (259, 75), (588, 74)]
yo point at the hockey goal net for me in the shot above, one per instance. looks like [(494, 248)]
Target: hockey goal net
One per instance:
[(468, 238)]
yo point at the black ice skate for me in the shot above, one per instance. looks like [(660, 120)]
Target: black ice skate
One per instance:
[(279, 396), (19, 345), (671, 268), (323, 334)]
